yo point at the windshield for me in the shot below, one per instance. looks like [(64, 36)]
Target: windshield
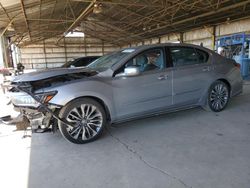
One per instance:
[(109, 60)]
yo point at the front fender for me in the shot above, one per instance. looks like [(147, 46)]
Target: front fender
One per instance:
[(97, 89)]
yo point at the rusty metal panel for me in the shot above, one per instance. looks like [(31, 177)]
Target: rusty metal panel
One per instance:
[(155, 40), (233, 27), (147, 42), (197, 34)]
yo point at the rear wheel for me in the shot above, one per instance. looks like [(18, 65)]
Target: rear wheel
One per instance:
[(218, 96), (87, 118)]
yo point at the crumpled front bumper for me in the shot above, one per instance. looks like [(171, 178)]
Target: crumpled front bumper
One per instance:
[(29, 107)]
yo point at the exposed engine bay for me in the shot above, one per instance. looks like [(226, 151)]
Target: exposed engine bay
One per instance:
[(33, 102)]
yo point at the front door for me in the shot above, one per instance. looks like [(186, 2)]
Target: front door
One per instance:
[(148, 92)]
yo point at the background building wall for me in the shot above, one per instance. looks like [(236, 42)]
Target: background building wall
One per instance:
[(46, 54), (202, 35)]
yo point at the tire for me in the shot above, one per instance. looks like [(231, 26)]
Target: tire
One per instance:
[(88, 118), (218, 97)]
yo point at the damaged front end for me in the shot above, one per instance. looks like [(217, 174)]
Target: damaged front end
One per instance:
[(34, 105), (32, 99)]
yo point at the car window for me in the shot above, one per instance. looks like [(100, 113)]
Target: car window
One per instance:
[(147, 61), (84, 61), (202, 56), (91, 59), (182, 56), (79, 62)]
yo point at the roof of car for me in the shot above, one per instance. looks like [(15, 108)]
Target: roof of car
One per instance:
[(144, 47)]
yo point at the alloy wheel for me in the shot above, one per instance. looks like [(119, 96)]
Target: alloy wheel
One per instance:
[(219, 96), (87, 120)]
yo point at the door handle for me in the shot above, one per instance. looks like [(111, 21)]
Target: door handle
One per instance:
[(163, 77), (205, 69)]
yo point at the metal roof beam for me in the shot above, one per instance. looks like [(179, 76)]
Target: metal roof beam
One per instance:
[(126, 3), (196, 17), (83, 15), (25, 18), (5, 29), (48, 20), (5, 11)]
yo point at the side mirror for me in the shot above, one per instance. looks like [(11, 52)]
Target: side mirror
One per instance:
[(130, 71)]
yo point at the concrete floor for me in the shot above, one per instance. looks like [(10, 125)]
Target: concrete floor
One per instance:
[(192, 148)]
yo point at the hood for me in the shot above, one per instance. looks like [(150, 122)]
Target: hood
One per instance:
[(49, 73)]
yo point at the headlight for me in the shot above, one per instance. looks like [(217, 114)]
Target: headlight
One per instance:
[(45, 97), (24, 99)]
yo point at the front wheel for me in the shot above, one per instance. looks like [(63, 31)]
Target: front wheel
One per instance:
[(87, 117), (218, 96)]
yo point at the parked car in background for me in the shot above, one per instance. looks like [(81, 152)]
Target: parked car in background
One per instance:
[(81, 61), (124, 85)]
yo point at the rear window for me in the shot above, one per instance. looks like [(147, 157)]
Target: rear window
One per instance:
[(182, 56)]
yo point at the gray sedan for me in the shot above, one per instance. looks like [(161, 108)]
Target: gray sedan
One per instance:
[(127, 84)]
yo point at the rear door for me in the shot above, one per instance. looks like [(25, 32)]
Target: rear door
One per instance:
[(192, 69)]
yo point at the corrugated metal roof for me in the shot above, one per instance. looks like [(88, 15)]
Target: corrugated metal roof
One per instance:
[(115, 21)]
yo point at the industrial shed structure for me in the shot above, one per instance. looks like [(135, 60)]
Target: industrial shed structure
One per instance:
[(38, 28), (206, 147)]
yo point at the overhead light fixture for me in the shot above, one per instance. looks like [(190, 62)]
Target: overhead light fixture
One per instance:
[(97, 8), (75, 34)]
